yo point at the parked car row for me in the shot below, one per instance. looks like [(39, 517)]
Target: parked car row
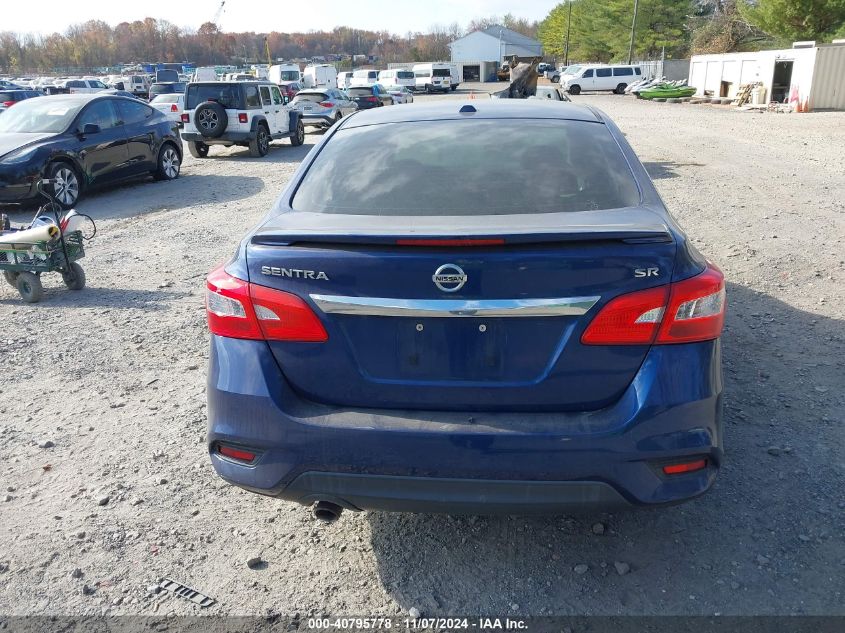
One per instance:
[(421, 77)]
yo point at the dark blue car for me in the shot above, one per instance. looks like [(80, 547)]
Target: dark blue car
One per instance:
[(497, 315)]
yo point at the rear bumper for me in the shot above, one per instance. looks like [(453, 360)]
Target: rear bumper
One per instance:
[(452, 496), (316, 119), (454, 462)]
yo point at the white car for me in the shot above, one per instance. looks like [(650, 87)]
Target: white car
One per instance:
[(171, 105), (363, 78), (84, 86), (400, 94)]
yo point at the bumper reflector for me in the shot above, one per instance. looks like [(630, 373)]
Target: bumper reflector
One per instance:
[(686, 467), (235, 453)]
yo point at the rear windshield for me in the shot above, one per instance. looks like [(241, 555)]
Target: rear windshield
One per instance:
[(404, 74), (440, 72), (171, 98), (359, 91), (11, 96), (227, 95), (458, 167), (314, 97), (289, 75)]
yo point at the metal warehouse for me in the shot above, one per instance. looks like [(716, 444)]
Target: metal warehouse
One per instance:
[(809, 74), (480, 53)]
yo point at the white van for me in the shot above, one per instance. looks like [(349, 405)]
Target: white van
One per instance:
[(344, 79), (397, 77), (600, 77), (320, 76), (364, 78), (284, 73), (430, 77)]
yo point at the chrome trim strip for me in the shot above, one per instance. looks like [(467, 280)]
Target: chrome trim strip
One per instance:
[(376, 306)]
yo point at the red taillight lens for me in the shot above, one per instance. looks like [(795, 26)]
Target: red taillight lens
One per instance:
[(174, 108), (631, 319), (327, 104), (696, 309), (243, 117), (236, 453), (238, 309), (229, 309), (185, 117), (9, 104), (372, 99), (684, 312), (285, 317), (686, 467)]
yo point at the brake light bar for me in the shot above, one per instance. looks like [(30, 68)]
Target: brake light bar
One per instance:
[(687, 311), (239, 309), (450, 242)]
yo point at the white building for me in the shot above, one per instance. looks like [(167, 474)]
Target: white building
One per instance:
[(810, 74), (480, 53)]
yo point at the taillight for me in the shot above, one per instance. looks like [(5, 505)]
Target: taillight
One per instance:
[(683, 312), (372, 99), (174, 108), (9, 104), (238, 309), (696, 309), (185, 117), (243, 117), (327, 104)]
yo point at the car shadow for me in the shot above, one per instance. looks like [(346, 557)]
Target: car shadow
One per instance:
[(666, 169), (280, 152), (763, 541), (56, 296), (139, 197)]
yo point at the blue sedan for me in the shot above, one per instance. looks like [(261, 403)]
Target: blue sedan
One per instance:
[(497, 315)]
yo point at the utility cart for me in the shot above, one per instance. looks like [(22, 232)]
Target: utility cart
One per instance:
[(23, 263)]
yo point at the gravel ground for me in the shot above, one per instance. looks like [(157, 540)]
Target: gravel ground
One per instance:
[(107, 488)]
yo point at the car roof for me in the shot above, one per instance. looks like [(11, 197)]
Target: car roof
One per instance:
[(484, 109)]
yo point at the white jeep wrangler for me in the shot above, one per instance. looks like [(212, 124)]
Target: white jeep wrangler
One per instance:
[(247, 113)]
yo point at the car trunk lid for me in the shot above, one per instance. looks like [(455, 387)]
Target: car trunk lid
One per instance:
[(468, 319)]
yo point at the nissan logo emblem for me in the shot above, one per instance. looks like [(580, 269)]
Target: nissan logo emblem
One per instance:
[(449, 278)]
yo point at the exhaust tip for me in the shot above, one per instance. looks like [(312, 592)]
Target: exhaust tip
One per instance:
[(326, 511)]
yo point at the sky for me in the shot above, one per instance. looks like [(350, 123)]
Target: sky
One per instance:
[(396, 16)]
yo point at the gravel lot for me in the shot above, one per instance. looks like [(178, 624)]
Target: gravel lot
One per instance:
[(107, 487)]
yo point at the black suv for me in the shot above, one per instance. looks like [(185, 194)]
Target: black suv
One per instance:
[(247, 113)]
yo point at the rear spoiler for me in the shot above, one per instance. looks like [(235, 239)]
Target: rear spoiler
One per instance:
[(631, 236)]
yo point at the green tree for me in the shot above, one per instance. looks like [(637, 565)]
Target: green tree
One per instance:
[(791, 20), (601, 29)]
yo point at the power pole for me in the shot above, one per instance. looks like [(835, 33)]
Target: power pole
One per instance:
[(568, 26), (633, 29)]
